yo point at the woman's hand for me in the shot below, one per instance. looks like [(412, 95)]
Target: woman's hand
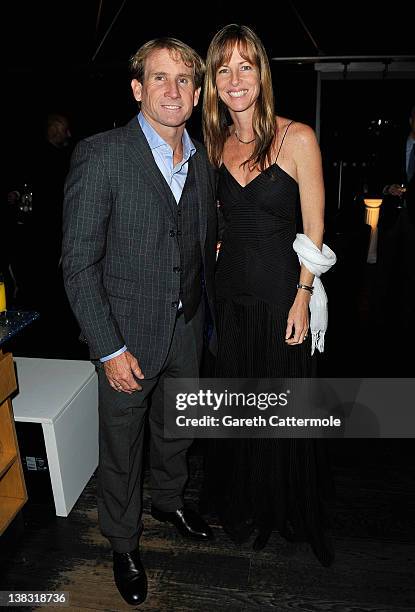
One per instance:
[(298, 319)]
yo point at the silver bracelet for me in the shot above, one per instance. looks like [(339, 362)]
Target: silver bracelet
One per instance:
[(306, 287)]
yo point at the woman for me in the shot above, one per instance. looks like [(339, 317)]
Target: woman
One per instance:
[(267, 166)]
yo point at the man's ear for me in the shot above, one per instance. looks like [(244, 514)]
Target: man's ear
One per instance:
[(196, 96), (137, 88)]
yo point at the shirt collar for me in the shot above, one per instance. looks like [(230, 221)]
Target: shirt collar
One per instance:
[(155, 140)]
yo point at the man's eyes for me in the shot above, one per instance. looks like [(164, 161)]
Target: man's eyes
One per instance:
[(180, 80)]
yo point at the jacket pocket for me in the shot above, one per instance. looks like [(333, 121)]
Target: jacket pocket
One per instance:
[(121, 306), (123, 288)]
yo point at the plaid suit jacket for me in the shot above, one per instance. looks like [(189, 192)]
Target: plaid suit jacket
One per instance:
[(119, 248)]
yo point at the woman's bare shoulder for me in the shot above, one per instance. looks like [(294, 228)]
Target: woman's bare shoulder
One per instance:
[(301, 130)]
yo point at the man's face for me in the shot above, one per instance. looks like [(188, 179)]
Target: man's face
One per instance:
[(168, 93), (59, 133)]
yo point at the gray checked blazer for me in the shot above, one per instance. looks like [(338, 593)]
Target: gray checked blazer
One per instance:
[(118, 254)]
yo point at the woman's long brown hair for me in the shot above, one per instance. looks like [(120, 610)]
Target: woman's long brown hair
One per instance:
[(215, 115)]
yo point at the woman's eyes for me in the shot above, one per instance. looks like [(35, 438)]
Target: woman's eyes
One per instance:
[(244, 68)]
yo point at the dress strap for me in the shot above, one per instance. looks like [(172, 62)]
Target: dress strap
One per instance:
[(283, 138)]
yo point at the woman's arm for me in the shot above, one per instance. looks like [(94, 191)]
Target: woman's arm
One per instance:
[(307, 159)]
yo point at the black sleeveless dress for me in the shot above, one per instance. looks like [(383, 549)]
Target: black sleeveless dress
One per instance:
[(263, 484)]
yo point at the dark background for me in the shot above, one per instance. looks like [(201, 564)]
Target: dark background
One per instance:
[(50, 67)]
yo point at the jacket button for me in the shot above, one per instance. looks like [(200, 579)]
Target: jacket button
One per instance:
[(174, 304), (172, 233), (177, 269)]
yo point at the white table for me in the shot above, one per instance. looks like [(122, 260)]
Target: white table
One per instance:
[(62, 395)]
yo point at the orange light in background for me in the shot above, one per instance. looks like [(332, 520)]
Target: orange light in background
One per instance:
[(2, 294), (372, 206), (372, 211)]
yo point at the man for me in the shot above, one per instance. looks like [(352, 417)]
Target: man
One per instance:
[(139, 228), (403, 170), (395, 282), (35, 208)]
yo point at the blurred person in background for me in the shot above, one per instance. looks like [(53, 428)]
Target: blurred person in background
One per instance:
[(394, 293)]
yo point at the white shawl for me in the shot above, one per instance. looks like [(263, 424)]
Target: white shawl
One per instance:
[(316, 262)]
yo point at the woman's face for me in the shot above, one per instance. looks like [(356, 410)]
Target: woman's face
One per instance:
[(238, 83)]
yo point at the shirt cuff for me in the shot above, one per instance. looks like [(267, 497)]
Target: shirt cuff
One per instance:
[(119, 352)]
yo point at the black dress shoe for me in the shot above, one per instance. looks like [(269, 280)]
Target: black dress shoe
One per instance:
[(291, 535), (262, 538), (130, 577), (323, 549), (186, 521)]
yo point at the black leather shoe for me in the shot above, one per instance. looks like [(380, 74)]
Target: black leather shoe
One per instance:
[(130, 577), (186, 521), (323, 549), (262, 538)]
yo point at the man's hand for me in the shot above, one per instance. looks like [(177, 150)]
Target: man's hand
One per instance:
[(122, 372), (396, 190)]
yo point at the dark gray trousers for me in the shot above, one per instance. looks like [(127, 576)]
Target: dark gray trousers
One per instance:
[(121, 436)]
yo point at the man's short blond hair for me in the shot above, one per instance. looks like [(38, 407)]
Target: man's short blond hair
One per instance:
[(178, 50)]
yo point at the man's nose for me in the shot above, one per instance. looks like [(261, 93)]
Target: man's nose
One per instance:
[(173, 90)]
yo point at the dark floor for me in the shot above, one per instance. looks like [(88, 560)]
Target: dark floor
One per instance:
[(373, 531), (373, 524)]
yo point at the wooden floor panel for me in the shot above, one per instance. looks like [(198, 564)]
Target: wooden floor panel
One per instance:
[(372, 527)]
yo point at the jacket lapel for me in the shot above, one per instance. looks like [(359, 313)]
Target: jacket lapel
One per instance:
[(139, 150)]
